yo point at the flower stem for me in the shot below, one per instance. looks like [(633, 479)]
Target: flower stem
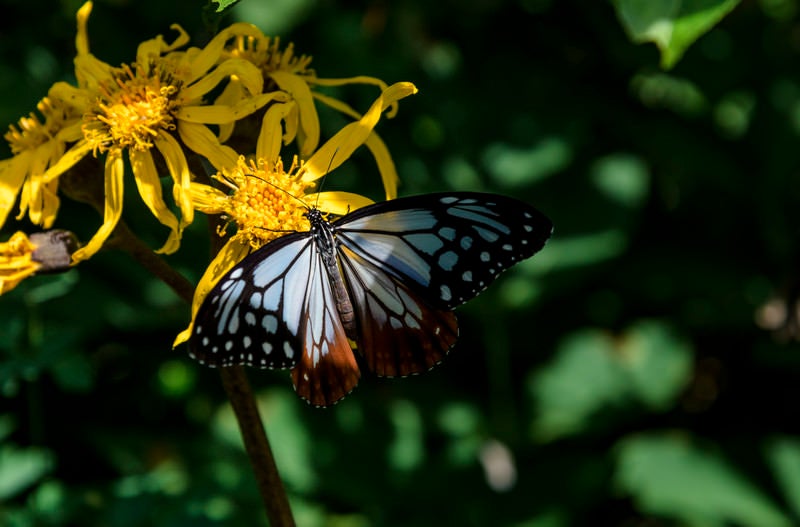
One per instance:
[(234, 381)]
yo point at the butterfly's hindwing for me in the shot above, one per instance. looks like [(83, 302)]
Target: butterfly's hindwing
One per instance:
[(399, 333)]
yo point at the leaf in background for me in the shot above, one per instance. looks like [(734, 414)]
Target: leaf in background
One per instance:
[(784, 456), (673, 25), (21, 468), (221, 5), (668, 476), (594, 371)]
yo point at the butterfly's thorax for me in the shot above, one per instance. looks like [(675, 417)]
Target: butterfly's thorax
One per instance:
[(325, 240)]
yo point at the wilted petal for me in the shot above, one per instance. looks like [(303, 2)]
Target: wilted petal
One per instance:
[(149, 185), (114, 172)]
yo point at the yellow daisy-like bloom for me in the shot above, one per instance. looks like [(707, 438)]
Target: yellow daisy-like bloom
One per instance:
[(296, 118), (267, 201), (37, 144), (139, 108), (16, 261)]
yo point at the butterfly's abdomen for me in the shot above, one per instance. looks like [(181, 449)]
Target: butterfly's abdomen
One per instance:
[(326, 243)]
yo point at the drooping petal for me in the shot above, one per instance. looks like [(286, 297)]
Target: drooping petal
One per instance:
[(298, 88), (271, 136), (179, 171), (12, 174), (336, 150), (385, 164), (114, 172), (149, 186)]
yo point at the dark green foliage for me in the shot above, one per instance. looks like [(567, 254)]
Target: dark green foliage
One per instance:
[(633, 373)]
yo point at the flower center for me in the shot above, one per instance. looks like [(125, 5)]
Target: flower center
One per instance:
[(130, 111), (267, 201), (32, 132)]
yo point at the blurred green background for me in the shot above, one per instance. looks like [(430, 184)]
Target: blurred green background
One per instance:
[(641, 371)]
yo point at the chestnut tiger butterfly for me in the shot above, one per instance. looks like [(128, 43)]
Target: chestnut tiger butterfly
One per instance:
[(385, 277)]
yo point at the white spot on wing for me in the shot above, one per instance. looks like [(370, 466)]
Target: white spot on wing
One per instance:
[(447, 260), (446, 294)]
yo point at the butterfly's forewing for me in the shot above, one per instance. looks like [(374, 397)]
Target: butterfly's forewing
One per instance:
[(248, 317), (275, 310), (409, 261), (399, 333), (446, 247)]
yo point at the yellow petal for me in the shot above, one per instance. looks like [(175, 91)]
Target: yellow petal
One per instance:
[(114, 171), (149, 185), (268, 146), (361, 79), (211, 53), (298, 88), (336, 150), (385, 164), (338, 203), (232, 253), (179, 170), (208, 199), (70, 157), (337, 105), (82, 38), (247, 73), (230, 96), (201, 140), (219, 114), (16, 261), (90, 71), (155, 47), (12, 175)]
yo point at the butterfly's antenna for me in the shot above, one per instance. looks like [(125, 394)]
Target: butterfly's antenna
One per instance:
[(325, 176), (276, 187)]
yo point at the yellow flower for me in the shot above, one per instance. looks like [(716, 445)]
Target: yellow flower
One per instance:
[(267, 201), (296, 117), (145, 107), (36, 145), (16, 261)]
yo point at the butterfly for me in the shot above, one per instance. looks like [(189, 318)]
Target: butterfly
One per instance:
[(383, 279)]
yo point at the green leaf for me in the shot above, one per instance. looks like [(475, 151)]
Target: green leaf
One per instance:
[(20, 469), (594, 371), (784, 456), (668, 476), (222, 5), (673, 25)]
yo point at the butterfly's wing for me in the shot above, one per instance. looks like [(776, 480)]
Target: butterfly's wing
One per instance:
[(274, 310), (409, 261), (399, 333), (327, 369)]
